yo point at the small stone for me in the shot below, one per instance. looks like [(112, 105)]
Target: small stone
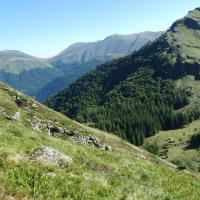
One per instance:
[(108, 148), (68, 132), (21, 102), (17, 116), (142, 156), (8, 117)]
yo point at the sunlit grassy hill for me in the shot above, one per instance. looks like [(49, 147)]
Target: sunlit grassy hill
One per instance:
[(121, 171)]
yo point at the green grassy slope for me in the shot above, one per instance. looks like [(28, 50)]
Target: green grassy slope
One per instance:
[(184, 36), (126, 172), (173, 146)]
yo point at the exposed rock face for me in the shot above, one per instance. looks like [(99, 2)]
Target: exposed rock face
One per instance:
[(48, 126), (8, 117), (50, 156)]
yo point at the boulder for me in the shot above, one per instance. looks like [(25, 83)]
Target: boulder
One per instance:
[(49, 155)]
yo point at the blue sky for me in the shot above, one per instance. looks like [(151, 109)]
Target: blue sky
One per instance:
[(45, 27)]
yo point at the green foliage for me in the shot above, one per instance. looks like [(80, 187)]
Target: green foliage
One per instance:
[(188, 165), (174, 146), (152, 148), (194, 141), (134, 109)]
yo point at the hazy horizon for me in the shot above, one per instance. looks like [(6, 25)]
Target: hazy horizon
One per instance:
[(44, 29)]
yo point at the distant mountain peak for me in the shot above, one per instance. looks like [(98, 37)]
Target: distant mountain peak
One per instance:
[(44, 77), (116, 44), (14, 53)]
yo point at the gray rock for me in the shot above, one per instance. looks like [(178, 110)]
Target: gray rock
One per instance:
[(17, 116), (50, 156), (36, 124), (57, 131), (48, 126), (92, 141), (108, 148), (22, 103), (8, 117)]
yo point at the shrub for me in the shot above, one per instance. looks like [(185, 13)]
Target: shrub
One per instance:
[(194, 142)]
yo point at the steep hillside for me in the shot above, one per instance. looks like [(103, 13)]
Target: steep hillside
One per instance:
[(142, 85), (70, 74), (45, 155), (25, 72), (80, 58)]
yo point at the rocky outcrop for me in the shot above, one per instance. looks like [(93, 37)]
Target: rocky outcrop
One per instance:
[(22, 103), (48, 126), (58, 131), (16, 117), (49, 155), (92, 141)]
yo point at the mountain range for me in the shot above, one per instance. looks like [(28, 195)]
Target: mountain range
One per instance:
[(138, 129), (44, 77), (138, 95)]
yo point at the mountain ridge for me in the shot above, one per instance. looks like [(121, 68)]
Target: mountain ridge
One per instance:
[(19, 69), (92, 46)]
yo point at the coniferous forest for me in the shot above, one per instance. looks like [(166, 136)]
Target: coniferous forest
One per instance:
[(135, 109)]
